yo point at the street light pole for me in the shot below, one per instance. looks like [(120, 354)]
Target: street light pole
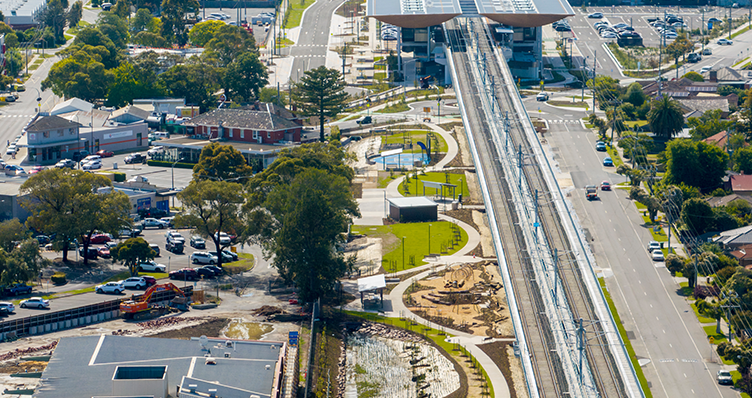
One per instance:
[(403, 253), (429, 239), (173, 172)]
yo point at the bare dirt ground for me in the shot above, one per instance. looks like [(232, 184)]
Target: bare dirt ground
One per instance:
[(368, 253), (365, 173), (466, 297), (486, 240)]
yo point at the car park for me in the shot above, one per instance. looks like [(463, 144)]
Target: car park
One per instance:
[(657, 255), (198, 242), (203, 258), (724, 377), (110, 287), (7, 307), (608, 162), (151, 266), (35, 302), (153, 223), (600, 146), (725, 42), (595, 15), (653, 245), (185, 274), (542, 96), (605, 186), (135, 282)]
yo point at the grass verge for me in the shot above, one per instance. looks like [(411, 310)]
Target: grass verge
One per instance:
[(295, 12), (625, 341), (415, 188), (395, 108), (614, 154)]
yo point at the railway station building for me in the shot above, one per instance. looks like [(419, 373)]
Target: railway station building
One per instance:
[(515, 26)]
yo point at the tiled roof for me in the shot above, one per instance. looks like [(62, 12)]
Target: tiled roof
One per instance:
[(243, 119), (741, 183), (47, 123)]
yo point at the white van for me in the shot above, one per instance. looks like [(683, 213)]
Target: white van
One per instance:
[(161, 135)]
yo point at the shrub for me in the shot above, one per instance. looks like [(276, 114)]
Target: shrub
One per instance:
[(169, 164), (119, 177), (58, 278)]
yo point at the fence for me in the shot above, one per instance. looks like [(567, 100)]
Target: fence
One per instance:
[(74, 317)]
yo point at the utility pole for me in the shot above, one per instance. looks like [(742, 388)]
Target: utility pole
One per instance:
[(595, 65), (580, 344)]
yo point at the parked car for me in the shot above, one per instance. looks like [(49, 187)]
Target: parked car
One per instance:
[(110, 287), (150, 280), (155, 247), (153, 223), (725, 42), (653, 245), (104, 252), (91, 158), (605, 186), (111, 245), (151, 266), (135, 158), (35, 302), (157, 150), (231, 254), (203, 258), (13, 170), (135, 282), (92, 253), (65, 163), (226, 258), (100, 238), (724, 377), (175, 246), (174, 235), (714, 20), (17, 289), (105, 154), (657, 255), (198, 242), (187, 274), (153, 213), (224, 238), (596, 15), (600, 146), (217, 270), (608, 162), (707, 51), (131, 233), (7, 307), (37, 169), (43, 239), (205, 273), (92, 165)]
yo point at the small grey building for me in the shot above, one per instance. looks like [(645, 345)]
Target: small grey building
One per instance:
[(413, 209)]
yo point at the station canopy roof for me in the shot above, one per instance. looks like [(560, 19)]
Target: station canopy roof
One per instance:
[(424, 13)]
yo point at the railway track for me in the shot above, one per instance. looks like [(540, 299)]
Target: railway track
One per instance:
[(551, 380)]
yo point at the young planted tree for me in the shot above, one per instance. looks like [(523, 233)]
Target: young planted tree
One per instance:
[(133, 252), (320, 93)]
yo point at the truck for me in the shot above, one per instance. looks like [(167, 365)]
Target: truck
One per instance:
[(142, 307), (16, 289), (591, 192)]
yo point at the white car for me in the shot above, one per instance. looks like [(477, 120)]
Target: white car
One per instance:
[(724, 377), (7, 307), (653, 245), (92, 158), (152, 266), (153, 222), (174, 235), (608, 35), (92, 165), (670, 35), (203, 258), (224, 239), (35, 302), (156, 150), (706, 69), (657, 255), (725, 42), (134, 282), (110, 287), (11, 150)]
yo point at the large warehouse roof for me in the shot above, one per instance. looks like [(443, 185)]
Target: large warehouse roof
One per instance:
[(423, 13)]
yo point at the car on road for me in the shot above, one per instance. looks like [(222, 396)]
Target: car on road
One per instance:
[(198, 242), (595, 15), (35, 302), (135, 158), (542, 96), (135, 282), (154, 223), (657, 255), (37, 169), (13, 170), (7, 307), (110, 288), (364, 120), (725, 42), (707, 51), (65, 163), (653, 245), (600, 146), (185, 274), (105, 154), (605, 186), (706, 69), (694, 58), (104, 252), (724, 377), (203, 258), (563, 28), (151, 266), (608, 162)]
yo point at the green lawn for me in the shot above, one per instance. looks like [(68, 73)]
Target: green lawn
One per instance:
[(416, 241), (245, 263), (416, 135), (395, 108), (625, 340), (614, 154), (701, 318), (636, 123), (295, 12), (416, 188), (438, 337), (386, 181), (710, 331)]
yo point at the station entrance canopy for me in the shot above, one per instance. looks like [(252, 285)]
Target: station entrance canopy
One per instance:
[(424, 13)]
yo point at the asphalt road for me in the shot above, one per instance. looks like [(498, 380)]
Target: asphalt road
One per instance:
[(660, 324), (310, 50)]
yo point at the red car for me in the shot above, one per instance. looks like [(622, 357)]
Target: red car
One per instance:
[(37, 169), (100, 238), (605, 186), (105, 154), (150, 280), (104, 252)]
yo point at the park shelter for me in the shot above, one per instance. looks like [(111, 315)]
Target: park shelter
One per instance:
[(418, 208), (371, 285), (442, 188)]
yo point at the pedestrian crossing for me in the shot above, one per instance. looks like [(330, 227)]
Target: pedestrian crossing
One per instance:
[(310, 45), (310, 56), (568, 121), (21, 116)]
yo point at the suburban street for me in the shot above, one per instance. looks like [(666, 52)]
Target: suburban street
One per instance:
[(660, 324), (310, 50)]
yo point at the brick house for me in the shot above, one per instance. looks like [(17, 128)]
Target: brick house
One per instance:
[(263, 126)]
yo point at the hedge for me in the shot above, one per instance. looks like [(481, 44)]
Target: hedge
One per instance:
[(169, 164), (58, 278)]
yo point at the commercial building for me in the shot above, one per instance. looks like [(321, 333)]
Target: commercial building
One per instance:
[(120, 366), (245, 125), (418, 208), (22, 14)]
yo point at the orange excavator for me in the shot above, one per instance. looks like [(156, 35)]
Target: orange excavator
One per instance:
[(142, 308)]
